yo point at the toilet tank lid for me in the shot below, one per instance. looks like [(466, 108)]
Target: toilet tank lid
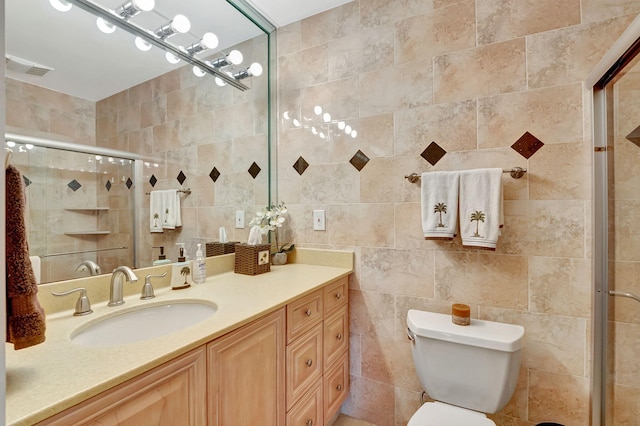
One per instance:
[(480, 333)]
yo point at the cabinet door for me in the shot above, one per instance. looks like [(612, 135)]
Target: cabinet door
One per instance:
[(171, 394), (246, 374)]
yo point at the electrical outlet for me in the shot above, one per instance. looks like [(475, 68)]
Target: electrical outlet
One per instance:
[(240, 219), (318, 220)]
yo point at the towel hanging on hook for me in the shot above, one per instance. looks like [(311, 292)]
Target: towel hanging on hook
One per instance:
[(7, 157)]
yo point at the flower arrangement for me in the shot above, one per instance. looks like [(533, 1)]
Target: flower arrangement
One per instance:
[(269, 219)]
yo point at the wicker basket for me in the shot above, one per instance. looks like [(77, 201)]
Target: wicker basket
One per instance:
[(216, 249), (252, 260)]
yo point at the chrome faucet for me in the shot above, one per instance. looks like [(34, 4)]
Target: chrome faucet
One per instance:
[(115, 293), (91, 266)]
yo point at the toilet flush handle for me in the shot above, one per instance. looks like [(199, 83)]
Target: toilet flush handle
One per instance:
[(410, 335)]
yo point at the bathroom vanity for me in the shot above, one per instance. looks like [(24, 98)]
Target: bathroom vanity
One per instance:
[(274, 353)]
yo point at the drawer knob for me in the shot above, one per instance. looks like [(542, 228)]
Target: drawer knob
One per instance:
[(308, 312), (309, 422), (339, 336), (309, 362), (339, 387), (338, 296)]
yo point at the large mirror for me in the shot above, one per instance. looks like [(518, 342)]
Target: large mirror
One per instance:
[(96, 125)]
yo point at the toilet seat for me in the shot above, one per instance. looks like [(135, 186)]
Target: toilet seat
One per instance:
[(440, 414)]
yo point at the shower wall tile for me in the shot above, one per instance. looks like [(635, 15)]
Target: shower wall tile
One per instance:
[(339, 98), (484, 71), (500, 20), (128, 119), (330, 183), (374, 13), (560, 170), (375, 133), (197, 129), (153, 111), (165, 136), (625, 280), (563, 398), (233, 122), (164, 84), (597, 10), (295, 143), (304, 68), (335, 23), (435, 33), (181, 103), (627, 215), (350, 223), (381, 179), (567, 55), (289, 38), (502, 119)]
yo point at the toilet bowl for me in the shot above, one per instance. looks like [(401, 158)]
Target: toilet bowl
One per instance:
[(468, 370)]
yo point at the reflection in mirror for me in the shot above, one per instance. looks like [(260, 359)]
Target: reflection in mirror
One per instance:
[(176, 131)]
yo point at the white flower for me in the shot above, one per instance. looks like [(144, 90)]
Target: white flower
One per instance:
[(269, 218)]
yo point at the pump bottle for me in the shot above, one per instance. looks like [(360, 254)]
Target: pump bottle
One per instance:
[(199, 267)]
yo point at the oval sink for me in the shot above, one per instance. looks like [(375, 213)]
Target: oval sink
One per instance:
[(142, 323)]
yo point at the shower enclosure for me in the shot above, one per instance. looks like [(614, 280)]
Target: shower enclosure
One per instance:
[(80, 206), (616, 218)]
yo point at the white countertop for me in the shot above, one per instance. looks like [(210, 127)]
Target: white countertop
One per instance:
[(48, 378)]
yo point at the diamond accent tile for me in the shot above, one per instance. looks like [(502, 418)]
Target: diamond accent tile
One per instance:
[(635, 136), (359, 160), (527, 145), (129, 183), (181, 177), (26, 180), (300, 165), (108, 185), (153, 180), (254, 170), (74, 185), (215, 174), (433, 153)]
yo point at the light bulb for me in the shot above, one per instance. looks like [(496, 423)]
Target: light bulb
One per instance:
[(296, 122), (286, 115), (317, 109), (341, 125), (98, 157), (29, 146), (142, 44), (235, 57), (354, 134), (326, 117), (11, 144), (210, 40), (144, 5), (104, 26), (255, 69), (181, 24), (220, 82), (322, 135), (197, 71), (61, 5), (347, 129), (314, 131), (171, 58)]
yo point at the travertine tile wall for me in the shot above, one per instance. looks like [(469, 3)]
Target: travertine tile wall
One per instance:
[(472, 76), (189, 124)]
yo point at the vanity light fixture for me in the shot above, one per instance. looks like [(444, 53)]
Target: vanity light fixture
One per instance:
[(131, 8), (109, 20), (61, 5), (179, 24), (208, 41)]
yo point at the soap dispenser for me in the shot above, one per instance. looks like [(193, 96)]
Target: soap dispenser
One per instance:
[(199, 267), (162, 258), (181, 271)]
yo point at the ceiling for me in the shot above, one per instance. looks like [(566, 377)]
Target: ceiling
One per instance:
[(91, 65)]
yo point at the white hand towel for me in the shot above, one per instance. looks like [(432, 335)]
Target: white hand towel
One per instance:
[(156, 211), (481, 215), (171, 205), (439, 196)]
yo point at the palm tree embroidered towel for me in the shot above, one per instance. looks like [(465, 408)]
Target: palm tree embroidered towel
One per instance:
[(171, 204), (156, 211), (481, 215), (439, 198)]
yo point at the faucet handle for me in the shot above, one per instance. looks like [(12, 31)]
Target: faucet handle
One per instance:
[(147, 288), (83, 306)]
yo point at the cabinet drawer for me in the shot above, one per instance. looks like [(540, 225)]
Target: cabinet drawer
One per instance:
[(336, 294), (308, 411), (336, 335), (303, 314), (304, 364), (336, 386)]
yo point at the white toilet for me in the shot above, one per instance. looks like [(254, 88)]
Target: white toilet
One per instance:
[(468, 370)]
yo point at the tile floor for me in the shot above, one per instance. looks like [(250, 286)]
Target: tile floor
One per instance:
[(349, 421)]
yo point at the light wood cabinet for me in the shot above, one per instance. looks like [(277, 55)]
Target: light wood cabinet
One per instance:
[(171, 394), (318, 355), (246, 374)]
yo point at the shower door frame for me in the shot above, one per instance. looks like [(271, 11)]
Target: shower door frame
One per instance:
[(627, 46)]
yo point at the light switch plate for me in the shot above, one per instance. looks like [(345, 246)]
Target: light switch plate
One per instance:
[(318, 220), (240, 219)]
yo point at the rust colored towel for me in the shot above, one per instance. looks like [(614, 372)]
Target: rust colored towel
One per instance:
[(25, 316)]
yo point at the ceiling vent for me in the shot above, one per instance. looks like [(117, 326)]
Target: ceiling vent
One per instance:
[(24, 66)]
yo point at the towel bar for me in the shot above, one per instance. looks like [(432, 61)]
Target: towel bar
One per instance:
[(516, 173), (186, 191)]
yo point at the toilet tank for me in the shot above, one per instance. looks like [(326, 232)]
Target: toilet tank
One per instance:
[(474, 366)]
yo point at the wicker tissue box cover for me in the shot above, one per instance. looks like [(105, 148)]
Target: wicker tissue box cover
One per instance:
[(216, 248), (252, 260)]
